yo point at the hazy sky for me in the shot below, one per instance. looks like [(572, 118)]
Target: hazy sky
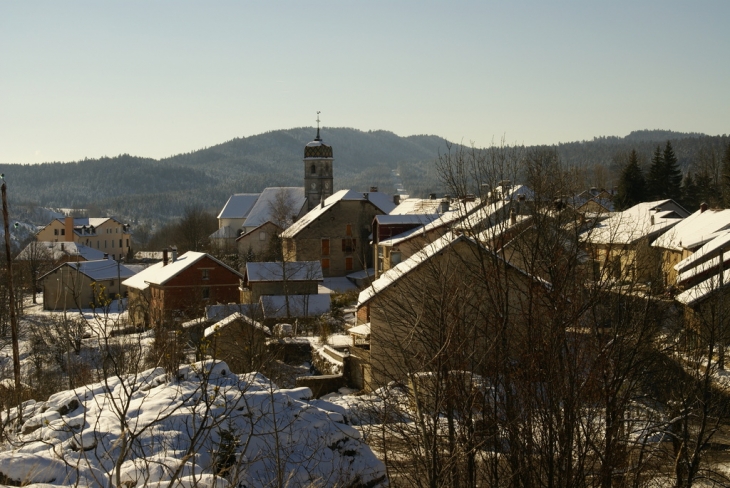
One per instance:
[(155, 78)]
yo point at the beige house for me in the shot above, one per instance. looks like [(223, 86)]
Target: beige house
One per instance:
[(689, 235), (336, 232), (435, 294), (107, 235), (84, 284), (621, 245), (258, 241)]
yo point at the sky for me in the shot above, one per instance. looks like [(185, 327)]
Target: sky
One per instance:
[(157, 78)]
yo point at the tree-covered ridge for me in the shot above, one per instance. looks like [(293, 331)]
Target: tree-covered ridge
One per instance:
[(136, 188)]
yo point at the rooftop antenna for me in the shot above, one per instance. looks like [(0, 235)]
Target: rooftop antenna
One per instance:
[(318, 138)]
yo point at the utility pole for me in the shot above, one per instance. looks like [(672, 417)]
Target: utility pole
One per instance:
[(11, 296)]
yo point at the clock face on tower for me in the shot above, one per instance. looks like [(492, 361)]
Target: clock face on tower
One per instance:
[(313, 186), (326, 185)]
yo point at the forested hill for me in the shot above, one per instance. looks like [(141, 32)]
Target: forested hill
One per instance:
[(142, 188)]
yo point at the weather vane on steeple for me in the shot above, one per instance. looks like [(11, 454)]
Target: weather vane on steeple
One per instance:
[(318, 138)]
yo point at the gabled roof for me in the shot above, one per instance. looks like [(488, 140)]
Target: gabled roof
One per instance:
[(292, 196), (708, 257), (99, 270), (703, 290), (417, 206), (394, 219), (274, 306), (251, 231), (405, 267), (454, 214), (695, 230), (158, 274), (231, 319), (290, 271), (642, 220), (238, 206), (57, 250), (380, 200)]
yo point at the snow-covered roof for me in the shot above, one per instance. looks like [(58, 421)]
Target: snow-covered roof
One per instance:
[(57, 250), (455, 213), (393, 219), (641, 220), (695, 230), (103, 269), (703, 289), (405, 267), (232, 318), (158, 273), (417, 206), (238, 206), (292, 196), (274, 306), (289, 271), (360, 330), (380, 200)]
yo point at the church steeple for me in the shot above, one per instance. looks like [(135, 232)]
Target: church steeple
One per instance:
[(318, 161)]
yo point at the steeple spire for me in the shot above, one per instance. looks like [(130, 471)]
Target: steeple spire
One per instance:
[(318, 138)]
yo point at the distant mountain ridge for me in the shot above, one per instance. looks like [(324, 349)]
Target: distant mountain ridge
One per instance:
[(137, 188)]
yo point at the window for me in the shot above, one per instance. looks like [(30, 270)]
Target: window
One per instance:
[(120, 243), (348, 264), (313, 170), (55, 232), (262, 236), (325, 263), (206, 274), (395, 258), (127, 242), (348, 230), (114, 256), (348, 244), (325, 247), (111, 282), (63, 232), (206, 293)]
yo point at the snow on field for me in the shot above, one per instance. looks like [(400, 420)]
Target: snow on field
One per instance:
[(207, 427)]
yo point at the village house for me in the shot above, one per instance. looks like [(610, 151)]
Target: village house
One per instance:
[(84, 284), (285, 290), (58, 252), (107, 235), (178, 288), (240, 341), (620, 246), (401, 315), (336, 232), (689, 235)]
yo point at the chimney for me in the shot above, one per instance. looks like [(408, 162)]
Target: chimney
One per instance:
[(373, 189), (652, 219), (68, 224), (444, 205), (396, 199), (174, 253), (106, 255), (432, 196), (512, 216), (703, 207), (164, 257)]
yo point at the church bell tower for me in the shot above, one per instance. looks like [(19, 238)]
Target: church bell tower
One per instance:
[(318, 161)]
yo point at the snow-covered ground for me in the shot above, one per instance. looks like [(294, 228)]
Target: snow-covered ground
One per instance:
[(207, 427)]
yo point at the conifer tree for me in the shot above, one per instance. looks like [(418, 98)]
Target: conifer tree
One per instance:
[(632, 185), (654, 181), (672, 174), (726, 176), (690, 193)]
